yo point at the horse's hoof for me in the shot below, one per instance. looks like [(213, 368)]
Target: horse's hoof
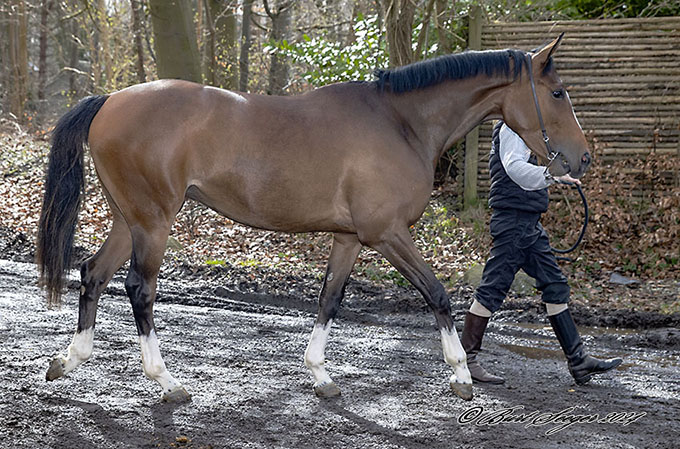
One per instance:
[(463, 391), (327, 390), (56, 369), (176, 395)]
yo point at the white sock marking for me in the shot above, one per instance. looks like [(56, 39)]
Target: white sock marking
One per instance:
[(79, 350), (315, 353), (153, 364), (455, 356)]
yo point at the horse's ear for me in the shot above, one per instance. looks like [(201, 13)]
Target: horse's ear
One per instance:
[(541, 57)]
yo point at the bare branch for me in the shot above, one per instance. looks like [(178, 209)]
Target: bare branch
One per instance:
[(267, 10)]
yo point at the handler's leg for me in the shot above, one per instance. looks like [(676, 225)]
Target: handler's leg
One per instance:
[(499, 272), (541, 265), (581, 365), (344, 253)]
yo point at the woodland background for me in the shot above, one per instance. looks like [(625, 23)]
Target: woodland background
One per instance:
[(53, 53)]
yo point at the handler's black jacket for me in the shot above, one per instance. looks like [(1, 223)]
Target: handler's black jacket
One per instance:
[(504, 192)]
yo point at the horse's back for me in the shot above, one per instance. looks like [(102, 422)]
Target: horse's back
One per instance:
[(286, 163)]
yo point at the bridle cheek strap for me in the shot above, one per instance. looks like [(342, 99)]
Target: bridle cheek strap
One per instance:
[(551, 154)]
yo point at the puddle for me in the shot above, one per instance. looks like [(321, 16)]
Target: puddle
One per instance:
[(584, 330), (533, 353)]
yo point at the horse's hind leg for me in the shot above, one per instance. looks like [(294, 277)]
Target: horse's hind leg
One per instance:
[(148, 247), (95, 274), (344, 252), (399, 249)]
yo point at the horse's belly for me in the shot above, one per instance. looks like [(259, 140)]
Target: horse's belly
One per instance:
[(275, 209)]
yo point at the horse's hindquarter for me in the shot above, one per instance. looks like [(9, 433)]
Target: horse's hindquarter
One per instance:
[(305, 163), (138, 142)]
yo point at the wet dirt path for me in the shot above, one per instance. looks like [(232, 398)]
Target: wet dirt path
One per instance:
[(241, 359)]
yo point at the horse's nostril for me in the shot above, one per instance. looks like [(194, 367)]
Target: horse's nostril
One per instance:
[(586, 158)]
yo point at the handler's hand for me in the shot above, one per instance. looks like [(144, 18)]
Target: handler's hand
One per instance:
[(568, 179)]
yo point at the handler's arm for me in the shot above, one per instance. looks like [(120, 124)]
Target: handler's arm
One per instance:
[(514, 155)]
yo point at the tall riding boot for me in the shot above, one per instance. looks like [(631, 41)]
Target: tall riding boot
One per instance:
[(581, 365), (473, 331)]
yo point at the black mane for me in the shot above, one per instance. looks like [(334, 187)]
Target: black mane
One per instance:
[(450, 67)]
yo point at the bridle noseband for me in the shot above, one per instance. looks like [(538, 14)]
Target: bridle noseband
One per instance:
[(552, 155)]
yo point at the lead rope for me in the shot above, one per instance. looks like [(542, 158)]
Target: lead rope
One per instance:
[(583, 228)]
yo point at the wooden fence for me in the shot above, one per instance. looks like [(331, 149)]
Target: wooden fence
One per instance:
[(623, 77)]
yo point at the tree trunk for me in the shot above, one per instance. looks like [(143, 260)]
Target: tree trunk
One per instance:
[(42, 57), (18, 58), (221, 57), (4, 59), (381, 35), (399, 16), (342, 14), (67, 48), (73, 58), (175, 40), (93, 47), (210, 62), (199, 25), (278, 70), (243, 63), (136, 8), (424, 31), (105, 58), (442, 19)]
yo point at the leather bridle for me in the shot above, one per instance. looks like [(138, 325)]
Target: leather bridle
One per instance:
[(552, 155)]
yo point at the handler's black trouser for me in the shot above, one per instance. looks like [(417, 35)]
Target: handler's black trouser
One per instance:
[(520, 242)]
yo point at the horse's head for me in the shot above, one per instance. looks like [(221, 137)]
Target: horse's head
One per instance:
[(525, 105)]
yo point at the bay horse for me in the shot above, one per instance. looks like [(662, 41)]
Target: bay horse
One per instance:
[(356, 159)]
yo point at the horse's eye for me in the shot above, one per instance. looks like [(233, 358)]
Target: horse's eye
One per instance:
[(558, 94)]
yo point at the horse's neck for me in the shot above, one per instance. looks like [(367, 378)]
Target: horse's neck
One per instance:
[(443, 114)]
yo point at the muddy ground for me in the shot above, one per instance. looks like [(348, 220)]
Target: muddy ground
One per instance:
[(235, 338)]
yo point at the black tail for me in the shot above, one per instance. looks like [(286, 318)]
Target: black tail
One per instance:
[(63, 185)]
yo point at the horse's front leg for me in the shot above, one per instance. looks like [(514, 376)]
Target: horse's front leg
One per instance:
[(399, 249), (344, 252), (140, 285)]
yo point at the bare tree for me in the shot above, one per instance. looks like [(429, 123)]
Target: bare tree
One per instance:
[(4, 56), (73, 58), (243, 62), (442, 21), (424, 31), (281, 20), (105, 58), (42, 57), (175, 40), (18, 57), (399, 15), (221, 67), (135, 9)]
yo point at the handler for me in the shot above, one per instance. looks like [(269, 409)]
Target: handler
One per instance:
[(518, 197)]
